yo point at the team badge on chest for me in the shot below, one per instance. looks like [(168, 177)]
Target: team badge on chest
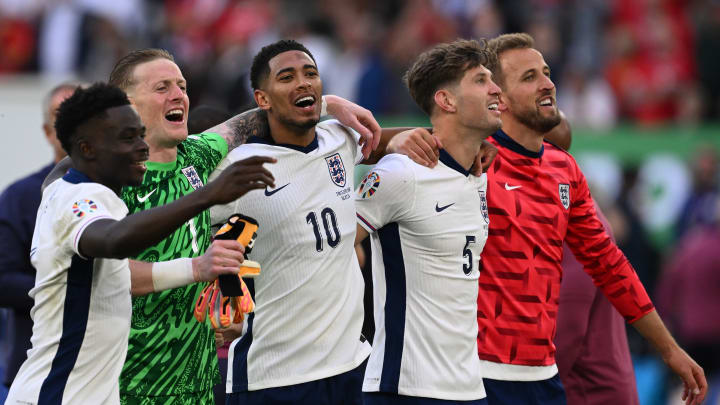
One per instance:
[(336, 169), (192, 177), (483, 206), (564, 193)]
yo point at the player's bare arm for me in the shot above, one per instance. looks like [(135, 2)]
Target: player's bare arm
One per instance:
[(58, 171), (422, 147), (128, 237), (254, 122), (222, 257), (360, 235), (693, 376)]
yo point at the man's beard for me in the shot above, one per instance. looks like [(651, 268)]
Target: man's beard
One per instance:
[(301, 126), (537, 122)]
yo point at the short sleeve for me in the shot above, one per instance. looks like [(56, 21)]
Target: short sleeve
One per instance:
[(352, 135), (213, 148), (386, 194), (89, 203)]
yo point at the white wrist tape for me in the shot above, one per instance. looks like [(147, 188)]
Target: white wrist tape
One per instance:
[(172, 274), (323, 109)]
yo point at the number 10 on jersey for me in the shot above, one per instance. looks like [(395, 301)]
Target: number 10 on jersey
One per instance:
[(331, 228)]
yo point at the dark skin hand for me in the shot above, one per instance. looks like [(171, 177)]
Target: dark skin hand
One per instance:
[(128, 237)]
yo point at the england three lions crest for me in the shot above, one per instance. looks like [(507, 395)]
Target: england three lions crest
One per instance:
[(336, 169), (564, 193), (192, 177), (483, 206)]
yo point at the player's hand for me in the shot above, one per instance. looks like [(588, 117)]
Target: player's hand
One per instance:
[(484, 158), (418, 144), (240, 178), (693, 376), (222, 257), (228, 334), (358, 118)]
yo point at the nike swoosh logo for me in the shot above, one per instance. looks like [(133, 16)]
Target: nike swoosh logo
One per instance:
[(508, 187), (269, 193), (142, 199), (441, 209)]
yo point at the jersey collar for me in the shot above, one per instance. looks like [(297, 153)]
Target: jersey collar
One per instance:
[(269, 141), (75, 177), (504, 140), (452, 163)]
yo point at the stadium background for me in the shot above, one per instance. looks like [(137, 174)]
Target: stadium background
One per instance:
[(638, 79)]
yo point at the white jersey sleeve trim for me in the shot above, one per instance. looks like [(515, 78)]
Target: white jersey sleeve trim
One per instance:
[(76, 240)]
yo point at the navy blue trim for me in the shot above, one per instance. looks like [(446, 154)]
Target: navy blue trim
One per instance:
[(504, 140), (394, 306), (242, 348), (452, 163), (75, 319), (75, 176), (269, 141)]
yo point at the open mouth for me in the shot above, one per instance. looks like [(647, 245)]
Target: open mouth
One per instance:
[(175, 115), (546, 102), (493, 107), (305, 102)]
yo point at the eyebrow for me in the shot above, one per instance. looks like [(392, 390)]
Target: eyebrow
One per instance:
[(290, 69)]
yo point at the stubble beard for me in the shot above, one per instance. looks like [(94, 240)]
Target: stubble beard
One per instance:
[(534, 120)]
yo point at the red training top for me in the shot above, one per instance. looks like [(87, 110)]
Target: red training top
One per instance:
[(537, 200)]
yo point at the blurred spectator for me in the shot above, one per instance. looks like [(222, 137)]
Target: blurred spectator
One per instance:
[(18, 208), (707, 23), (688, 292), (701, 204), (588, 100), (651, 67), (593, 357)]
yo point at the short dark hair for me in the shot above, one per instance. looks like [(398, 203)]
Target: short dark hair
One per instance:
[(122, 74), (83, 105), (442, 65), (260, 66), (503, 43)]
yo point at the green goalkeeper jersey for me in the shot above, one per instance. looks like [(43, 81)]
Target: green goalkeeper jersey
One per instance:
[(169, 352)]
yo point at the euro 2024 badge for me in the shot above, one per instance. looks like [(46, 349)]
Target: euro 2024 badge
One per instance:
[(369, 185), (564, 193), (336, 169), (84, 206)]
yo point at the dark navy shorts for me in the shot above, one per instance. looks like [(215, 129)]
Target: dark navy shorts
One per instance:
[(341, 389), (544, 392), (384, 398)]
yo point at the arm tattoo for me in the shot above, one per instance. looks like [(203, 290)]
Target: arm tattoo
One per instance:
[(239, 128)]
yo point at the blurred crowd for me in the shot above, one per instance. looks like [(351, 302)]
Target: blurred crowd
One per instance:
[(646, 61)]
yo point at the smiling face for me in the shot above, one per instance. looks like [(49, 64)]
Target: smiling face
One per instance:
[(292, 91), (528, 94), (159, 94), (477, 101), (116, 139)]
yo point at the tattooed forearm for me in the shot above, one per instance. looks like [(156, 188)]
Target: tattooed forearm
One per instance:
[(239, 128)]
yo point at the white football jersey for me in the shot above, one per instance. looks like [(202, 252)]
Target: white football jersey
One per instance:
[(82, 305), (428, 227), (308, 297)]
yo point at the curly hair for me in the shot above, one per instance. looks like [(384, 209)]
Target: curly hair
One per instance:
[(83, 105), (442, 65), (260, 66)]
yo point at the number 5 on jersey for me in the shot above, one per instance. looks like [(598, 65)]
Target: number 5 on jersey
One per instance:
[(467, 267)]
